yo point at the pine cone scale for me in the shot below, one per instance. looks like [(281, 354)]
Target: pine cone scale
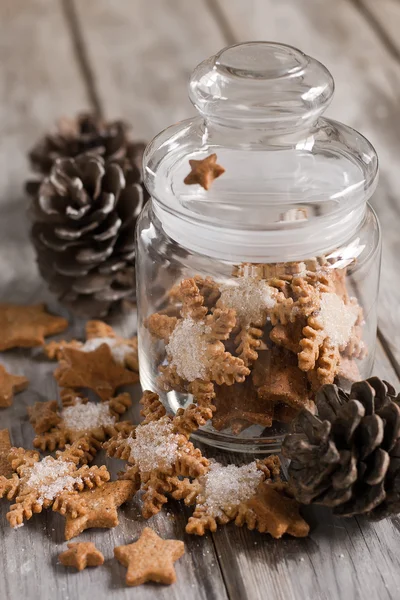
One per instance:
[(370, 435), (348, 418), (346, 474), (90, 284), (378, 467), (391, 417)]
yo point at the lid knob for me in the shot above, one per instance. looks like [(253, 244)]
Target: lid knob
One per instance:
[(261, 84)]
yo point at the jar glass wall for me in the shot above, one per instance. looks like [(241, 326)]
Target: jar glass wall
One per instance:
[(298, 325)]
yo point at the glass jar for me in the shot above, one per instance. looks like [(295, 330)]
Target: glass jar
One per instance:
[(258, 290)]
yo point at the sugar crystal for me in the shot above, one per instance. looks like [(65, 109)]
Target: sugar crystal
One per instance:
[(250, 298), (187, 349), (87, 416), (337, 318), (229, 486), (155, 445), (50, 477)]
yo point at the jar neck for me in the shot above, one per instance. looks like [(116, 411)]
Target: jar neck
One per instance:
[(299, 240)]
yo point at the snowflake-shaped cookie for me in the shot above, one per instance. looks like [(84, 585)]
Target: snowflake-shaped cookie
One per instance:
[(248, 496), (78, 419), (36, 484), (159, 453), (194, 343)]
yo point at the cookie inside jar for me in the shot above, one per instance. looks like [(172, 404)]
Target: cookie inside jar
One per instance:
[(258, 255), (255, 348)]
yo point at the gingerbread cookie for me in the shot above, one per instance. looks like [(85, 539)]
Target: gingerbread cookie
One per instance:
[(224, 490), (93, 508), (203, 172), (27, 326), (10, 385), (79, 419), (123, 350), (81, 555), (160, 456), (37, 483), (150, 558)]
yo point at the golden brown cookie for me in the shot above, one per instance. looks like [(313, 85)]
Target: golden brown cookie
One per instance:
[(150, 558), (94, 508), (279, 381), (124, 350), (37, 484), (194, 342), (239, 406), (222, 493), (81, 555), (10, 385), (273, 510), (96, 370), (204, 171), (27, 326), (79, 418), (160, 455)]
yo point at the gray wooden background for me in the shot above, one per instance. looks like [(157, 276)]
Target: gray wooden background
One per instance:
[(132, 59)]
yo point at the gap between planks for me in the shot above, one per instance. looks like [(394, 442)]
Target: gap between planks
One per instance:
[(81, 55)]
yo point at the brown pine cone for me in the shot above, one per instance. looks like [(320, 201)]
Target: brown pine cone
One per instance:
[(84, 219), (348, 457)]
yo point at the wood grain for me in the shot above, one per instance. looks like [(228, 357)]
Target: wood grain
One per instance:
[(142, 59), (139, 61), (366, 97)]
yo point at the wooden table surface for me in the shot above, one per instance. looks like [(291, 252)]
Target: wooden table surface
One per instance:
[(132, 59)]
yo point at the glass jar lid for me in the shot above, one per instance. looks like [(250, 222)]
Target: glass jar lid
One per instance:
[(295, 183)]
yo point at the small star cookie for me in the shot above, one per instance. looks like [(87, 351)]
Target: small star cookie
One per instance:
[(81, 555), (27, 326), (150, 558), (204, 171), (10, 385)]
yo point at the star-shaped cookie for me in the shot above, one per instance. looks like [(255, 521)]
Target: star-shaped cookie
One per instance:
[(10, 385), (150, 558), (96, 370), (204, 171), (27, 326), (96, 508), (81, 555)]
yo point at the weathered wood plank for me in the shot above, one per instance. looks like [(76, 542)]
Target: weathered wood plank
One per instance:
[(367, 96), (384, 18), (142, 58), (39, 82)]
